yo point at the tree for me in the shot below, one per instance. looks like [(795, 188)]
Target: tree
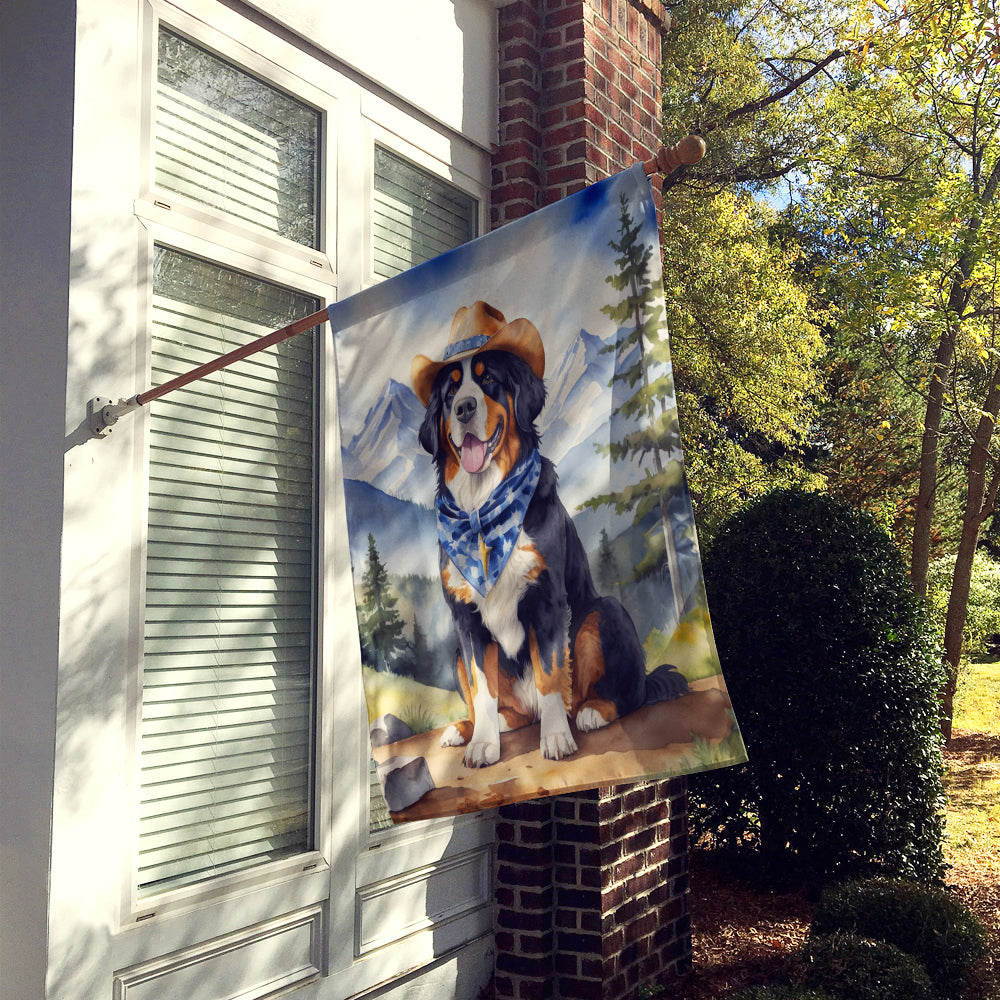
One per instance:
[(745, 76), (380, 625), (748, 356), (914, 192), (608, 573), (746, 351), (645, 421), (879, 122)]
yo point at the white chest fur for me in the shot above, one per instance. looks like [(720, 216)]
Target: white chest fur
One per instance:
[(498, 608)]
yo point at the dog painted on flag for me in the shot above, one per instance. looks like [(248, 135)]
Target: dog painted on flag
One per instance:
[(536, 642)]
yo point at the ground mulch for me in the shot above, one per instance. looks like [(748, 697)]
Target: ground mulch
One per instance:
[(743, 934)]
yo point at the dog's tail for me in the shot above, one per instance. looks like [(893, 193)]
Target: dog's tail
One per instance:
[(665, 683)]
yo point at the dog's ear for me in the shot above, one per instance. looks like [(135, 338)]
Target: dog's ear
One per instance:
[(429, 435), (529, 398)]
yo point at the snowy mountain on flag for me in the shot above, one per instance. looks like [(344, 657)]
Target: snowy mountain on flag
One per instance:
[(572, 414), (386, 452)]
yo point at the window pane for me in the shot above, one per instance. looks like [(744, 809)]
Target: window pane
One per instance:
[(228, 679), (228, 140), (416, 215)]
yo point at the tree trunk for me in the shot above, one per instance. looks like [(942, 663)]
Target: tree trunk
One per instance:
[(979, 500), (920, 553), (673, 563), (958, 300)]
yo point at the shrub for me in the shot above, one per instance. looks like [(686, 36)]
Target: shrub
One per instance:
[(856, 968), (833, 673), (782, 993), (925, 922)]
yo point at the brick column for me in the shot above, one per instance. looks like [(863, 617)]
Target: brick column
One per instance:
[(579, 96), (591, 888)]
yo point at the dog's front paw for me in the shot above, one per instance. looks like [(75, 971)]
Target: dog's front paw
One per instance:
[(482, 754), (453, 737), (557, 745)]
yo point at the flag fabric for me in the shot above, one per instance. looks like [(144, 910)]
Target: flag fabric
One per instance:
[(531, 612)]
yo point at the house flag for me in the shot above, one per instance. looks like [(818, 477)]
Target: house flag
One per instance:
[(531, 610)]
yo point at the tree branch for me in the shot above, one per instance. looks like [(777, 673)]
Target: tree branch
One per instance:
[(754, 106)]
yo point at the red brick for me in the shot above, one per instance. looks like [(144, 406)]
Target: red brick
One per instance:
[(569, 52), (521, 90), (518, 111), (567, 174), (518, 49), (530, 899), (595, 103), (570, 15), (521, 130), (553, 117), (569, 132), (511, 152)]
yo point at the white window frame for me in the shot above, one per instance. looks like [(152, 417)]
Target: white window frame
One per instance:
[(350, 874), (179, 224)]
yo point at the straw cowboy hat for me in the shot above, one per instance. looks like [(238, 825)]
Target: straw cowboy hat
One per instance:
[(474, 329)]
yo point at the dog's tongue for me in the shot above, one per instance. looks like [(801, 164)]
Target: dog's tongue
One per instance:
[(473, 453)]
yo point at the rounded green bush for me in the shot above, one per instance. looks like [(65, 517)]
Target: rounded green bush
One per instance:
[(833, 672), (926, 922), (856, 968)]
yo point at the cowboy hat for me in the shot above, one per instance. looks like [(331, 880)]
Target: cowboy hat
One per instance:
[(474, 329)]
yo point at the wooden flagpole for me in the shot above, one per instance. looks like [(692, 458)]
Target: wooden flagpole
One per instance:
[(102, 413)]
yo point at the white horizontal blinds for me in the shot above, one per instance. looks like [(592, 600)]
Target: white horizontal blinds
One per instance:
[(228, 140), (416, 215), (228, 678)]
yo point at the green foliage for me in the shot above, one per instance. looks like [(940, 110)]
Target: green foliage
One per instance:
[(833, 673), (747, 353), (983, 612), (857, 968), (926, 922), (782, 992), (380, 626), (742, 75)]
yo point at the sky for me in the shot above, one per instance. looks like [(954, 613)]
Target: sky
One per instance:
[(548, 267)]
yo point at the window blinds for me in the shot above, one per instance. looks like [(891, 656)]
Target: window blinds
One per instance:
[(225, 139), (416, 215), (227, 681)]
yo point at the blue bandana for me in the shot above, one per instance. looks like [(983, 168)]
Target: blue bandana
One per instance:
[(479, 543)]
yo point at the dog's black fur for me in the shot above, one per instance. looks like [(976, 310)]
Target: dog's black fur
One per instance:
[(555, 605)]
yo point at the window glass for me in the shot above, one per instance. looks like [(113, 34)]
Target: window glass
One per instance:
[(228, 658), (416, 216), (228, 140)]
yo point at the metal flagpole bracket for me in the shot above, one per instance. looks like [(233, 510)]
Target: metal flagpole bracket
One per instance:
[(103, 413)]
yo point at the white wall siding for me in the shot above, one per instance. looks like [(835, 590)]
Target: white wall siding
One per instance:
[(77, 235), (438, 56)]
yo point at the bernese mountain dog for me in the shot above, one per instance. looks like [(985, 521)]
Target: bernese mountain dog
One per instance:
[(536, 642)]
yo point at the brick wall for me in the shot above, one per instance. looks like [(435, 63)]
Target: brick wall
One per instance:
[(579, 96), (591, 889), (591, 892)]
